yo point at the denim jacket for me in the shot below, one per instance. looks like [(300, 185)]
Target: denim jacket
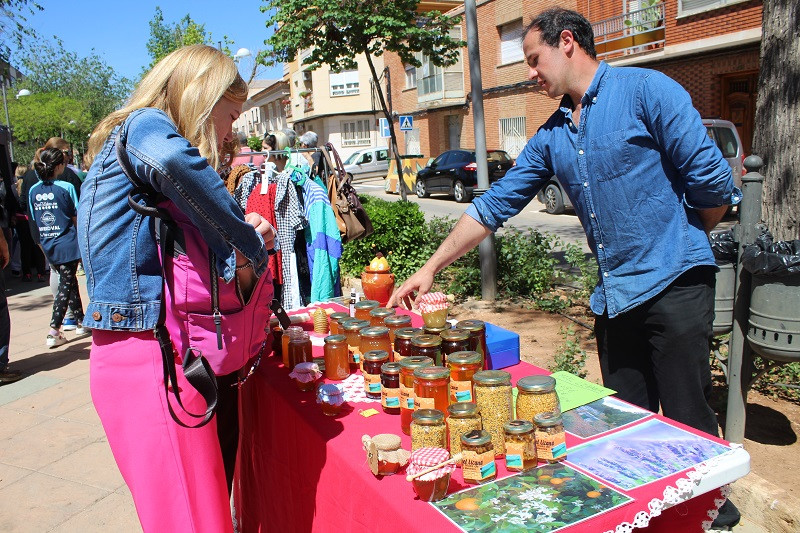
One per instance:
[(635, 167), (118, 246)]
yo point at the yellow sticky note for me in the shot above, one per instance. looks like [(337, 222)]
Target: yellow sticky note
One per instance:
[(366, 413)]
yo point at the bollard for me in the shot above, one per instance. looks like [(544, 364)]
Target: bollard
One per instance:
[(740, 357)]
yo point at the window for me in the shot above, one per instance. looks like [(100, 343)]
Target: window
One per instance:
[(511, 42), (366, 158), (690, 7), (437, 82), (411, 76), (431, 77), (512, 135), (383, 155), (355, 133), (344, 83)]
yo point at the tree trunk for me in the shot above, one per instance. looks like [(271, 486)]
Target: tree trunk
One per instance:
[(777, 116), (399, 162)]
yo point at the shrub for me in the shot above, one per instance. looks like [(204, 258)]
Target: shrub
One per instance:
[(254, 143), (570, 357)]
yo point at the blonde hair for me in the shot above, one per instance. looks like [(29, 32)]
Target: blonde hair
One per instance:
[(186, 85)]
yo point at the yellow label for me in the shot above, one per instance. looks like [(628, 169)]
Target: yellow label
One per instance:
[(390, 397), (423, 403), (372, 383), (366, 413), (550, 447), (477, 467), (461, 391), (407, 398)]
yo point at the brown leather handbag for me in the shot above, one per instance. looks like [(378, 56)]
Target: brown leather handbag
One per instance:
[(351, 217)]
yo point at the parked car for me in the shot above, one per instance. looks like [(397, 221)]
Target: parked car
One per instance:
[(722, 132), (367, 163), (455, 172)]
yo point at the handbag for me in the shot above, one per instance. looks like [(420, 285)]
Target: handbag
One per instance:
[(351, 217)]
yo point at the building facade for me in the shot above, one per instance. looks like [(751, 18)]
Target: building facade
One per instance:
[(265, 108)]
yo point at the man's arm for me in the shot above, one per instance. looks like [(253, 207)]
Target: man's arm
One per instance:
[(711, 217), (466, 234)]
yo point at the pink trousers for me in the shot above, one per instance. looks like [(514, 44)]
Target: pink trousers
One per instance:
[(175, 474)]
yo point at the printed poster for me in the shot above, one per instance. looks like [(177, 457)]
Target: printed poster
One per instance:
[(601, 416)]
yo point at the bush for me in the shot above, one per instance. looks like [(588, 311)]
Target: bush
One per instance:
[(254, 143), (570, 357)]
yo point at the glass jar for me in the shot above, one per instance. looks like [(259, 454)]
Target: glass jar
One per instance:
[(477, 457), (463, 366), (493, 396), (395, 322), (373, 360), (432, 388), (537, 394), (287, 335), (363, 308), (277, 334), (463, 418), (351, 330), (390, 388), (385, 454), (430, 487), (378, 315), (337, 357), (435, 330), (477, 338), (454, 340), (331, 398), (520, 446), (375, 338), (551, 441), (305, 376), (407, 367), (427, 346), (336, 322), (402, 342), (428, 429), (300, 349)]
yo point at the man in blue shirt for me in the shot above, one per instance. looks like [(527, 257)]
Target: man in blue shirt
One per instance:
[(648, 185)]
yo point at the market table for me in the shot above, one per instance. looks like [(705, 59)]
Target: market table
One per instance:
[(300, 470)]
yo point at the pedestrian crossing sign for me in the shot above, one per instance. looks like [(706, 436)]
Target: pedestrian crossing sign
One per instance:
[(406, 123)]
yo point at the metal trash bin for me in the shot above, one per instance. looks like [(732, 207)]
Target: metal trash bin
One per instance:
[(723, 298), (774, 327)]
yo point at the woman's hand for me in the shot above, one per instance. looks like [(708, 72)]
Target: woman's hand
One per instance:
[(263, 227)]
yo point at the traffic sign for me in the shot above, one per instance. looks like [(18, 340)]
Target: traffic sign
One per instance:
[(406, 123), (384, 127)]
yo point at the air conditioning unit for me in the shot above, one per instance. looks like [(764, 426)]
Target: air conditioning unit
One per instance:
[(306, 75)]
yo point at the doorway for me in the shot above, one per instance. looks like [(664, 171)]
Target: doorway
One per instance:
[(739, 93)]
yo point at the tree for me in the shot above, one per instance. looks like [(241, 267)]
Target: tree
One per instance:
[(166, 38), (336, 31), (777, 116), (13, 24)]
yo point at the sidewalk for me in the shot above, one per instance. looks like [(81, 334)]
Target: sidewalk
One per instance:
[(56, 468)]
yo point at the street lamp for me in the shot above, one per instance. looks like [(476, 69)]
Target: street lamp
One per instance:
[(241, 53), (23, 92)]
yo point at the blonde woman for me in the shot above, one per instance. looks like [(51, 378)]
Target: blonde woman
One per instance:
[(173, 128)]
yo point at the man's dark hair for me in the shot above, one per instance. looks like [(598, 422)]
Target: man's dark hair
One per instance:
[(552, 22)]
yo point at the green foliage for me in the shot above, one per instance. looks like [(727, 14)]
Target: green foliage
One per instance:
[(13, 25), (254, 143), (166, 38), (570, 357), (774, 383), (587, 267)]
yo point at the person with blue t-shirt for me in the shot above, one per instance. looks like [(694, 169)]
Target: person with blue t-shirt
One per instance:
[(53, 207)]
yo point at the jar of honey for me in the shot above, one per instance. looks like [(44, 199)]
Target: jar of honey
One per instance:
[(537, 394), (337, 357), (305, 376), (363, 308), (493, 396), (551, 441), (454, 340), (407, 367), (477, 461), (352, 330), (375, 338), (430, 487), (378, 315), (330, 398), (287, 335), (300, 349), (428, 429), (427, 346), (520, 446), (463, 418), (277, 334), (432, 388), (336, 322), (402, 342), (390, 388), (395, 322), (477, 338), (373, 360), (463, 366)]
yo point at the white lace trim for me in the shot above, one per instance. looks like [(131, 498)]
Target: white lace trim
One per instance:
[(680, 493)]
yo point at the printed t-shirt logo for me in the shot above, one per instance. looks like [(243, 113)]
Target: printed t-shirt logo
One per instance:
[(48, 218)]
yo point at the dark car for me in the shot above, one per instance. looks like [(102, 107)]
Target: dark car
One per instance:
[(455, 172)]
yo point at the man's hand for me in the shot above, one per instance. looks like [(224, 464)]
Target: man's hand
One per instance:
[(4, 256), (420, 282)]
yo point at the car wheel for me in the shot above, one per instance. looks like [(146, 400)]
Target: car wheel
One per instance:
[(553, 201), (460, 192), (420, 189)]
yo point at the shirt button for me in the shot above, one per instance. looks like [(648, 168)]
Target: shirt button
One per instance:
[(605, 274), (594, 99), (592, 215), (585, 183), (96, 315), (600, 245), (116, 317), (580, 152)]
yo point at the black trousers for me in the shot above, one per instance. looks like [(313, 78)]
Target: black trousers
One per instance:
[(658, 353)]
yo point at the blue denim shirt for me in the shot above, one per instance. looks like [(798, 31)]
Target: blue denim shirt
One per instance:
[(118, 246), (635, 168)]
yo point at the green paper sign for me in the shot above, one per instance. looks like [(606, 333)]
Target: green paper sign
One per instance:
[(574, 391)]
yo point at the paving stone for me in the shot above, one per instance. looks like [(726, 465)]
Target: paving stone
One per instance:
[(92, 465)]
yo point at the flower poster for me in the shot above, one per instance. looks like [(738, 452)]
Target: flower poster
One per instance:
[(541, 500), (643, 453), (601, 416)]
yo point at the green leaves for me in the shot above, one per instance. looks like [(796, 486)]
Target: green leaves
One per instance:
[(166, 38)]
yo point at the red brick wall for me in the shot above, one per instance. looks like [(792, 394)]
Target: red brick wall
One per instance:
[(712, 23)]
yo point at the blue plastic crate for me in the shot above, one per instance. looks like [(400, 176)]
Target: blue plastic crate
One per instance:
[(503, 347)]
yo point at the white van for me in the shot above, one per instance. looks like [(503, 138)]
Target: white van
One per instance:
[(367, 163)]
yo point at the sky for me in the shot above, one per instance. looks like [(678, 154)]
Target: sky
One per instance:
[(118, 30)]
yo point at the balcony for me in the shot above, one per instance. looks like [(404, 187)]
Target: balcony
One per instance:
[(630, 33), (308, 102), (437, 5)]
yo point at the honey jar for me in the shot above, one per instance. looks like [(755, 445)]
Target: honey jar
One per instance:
[(352, 330), (390, 388), (407, 367), (432, 388), (493, 396), (378, 315), (551, 441), (427, 346), (477, 457), (520, 445), (402, 342), (336, 322), (373, 360), (395, 322), (375, 338), (337, 357), (477, 338), (463, 366), (454, 340), (362, 308)]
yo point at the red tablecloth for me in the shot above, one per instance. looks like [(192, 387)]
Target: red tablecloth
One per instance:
[(300, 470)]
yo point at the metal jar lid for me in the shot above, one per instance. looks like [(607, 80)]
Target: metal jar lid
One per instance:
[(374, 331), (390, 368), (427, 341), (376, 355), (431, 330), (397, 320), (465, 357), (452, 335), (416, 362), (518, 427), (463, 409), (381, 312), (334, 339), (355, 325), (340, 316), (428, 417), (492, 377), (367, 304), (471, 325), (476, 437), (407, 333), (537, 384), (548, 419), (431, 372)]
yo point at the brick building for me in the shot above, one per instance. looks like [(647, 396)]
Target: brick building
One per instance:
[(711, 47)]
